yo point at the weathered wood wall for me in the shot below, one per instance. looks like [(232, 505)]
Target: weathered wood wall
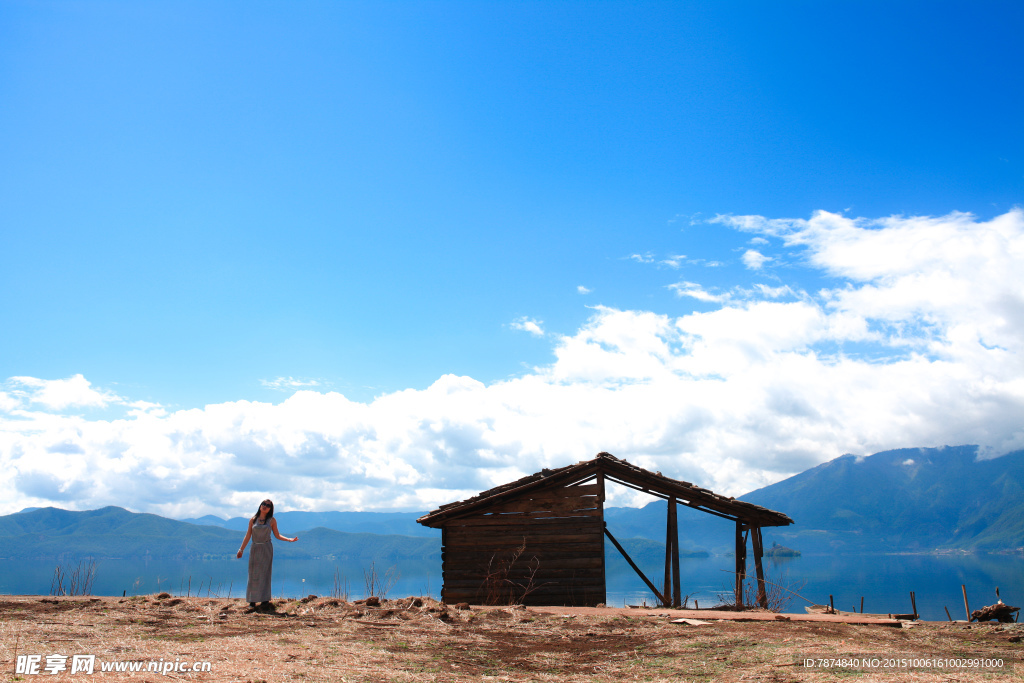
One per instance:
[(544, 548)]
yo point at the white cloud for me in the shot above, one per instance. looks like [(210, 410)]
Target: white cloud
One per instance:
[(754, 259), (582, 290), (774, 292), (289, 383), (8, 402), (695, 291), (59, 394), (674, 261), (767, 384), (525, 324)]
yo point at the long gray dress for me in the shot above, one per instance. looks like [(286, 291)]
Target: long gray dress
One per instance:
[(261, 560)]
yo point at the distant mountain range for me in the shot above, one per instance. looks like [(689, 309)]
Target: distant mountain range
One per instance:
[(909, 500), (115, 533), (400, 523)]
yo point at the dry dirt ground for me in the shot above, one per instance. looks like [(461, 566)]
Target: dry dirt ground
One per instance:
[(421, 640)]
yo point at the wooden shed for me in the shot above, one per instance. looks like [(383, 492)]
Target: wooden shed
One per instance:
[(540, 540)]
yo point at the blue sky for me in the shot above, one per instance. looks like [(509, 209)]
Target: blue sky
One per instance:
[(208, 205)]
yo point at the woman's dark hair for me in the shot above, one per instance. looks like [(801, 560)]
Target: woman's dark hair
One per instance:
[(270, 514)]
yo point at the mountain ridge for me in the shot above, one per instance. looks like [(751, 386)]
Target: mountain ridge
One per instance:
[(902, 500)]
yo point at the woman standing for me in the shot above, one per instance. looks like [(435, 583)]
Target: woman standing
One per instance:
[(261, 557)]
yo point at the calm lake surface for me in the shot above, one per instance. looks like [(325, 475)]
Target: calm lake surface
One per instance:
[(885, 581)]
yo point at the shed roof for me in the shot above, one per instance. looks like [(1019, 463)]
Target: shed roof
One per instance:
[(622, 472)]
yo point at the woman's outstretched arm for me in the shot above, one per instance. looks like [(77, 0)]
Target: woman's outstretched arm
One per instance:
[(245, 541), (277, 534)]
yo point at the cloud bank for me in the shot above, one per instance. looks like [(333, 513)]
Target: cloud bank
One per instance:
[(918, 343)]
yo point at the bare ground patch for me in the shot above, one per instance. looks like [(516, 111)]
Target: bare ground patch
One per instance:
[(422, 640)]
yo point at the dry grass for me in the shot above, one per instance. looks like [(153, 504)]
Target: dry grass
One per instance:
[(414, 640)]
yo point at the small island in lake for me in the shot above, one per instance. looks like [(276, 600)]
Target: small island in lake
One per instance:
[(781, 551)]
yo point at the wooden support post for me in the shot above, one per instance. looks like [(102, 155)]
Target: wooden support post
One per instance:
[(741, 563), (762, 594), (600, 503), (444, 563), (668, 552), (677, 593), (967, 608)]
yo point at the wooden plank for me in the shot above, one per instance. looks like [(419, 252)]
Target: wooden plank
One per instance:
[(540, 586), (456, 564), (483, 563), (473, 532), (485, 556), (531, 549), (561, 491), (548, 534), (559, 505), (565, 567), (560, 573), (462, 541), (538, 512), (537, 589), (529, 516), (588, 597), (478, 574), (586, 582), (554, 496), (499, 545), (515, 541), (524, 520), (467, 573), (470, 581), (477, 534), (578, 591), (570, 508), (585, 522)]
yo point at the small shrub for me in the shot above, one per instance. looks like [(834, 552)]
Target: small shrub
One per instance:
[(377, 585), (68, 580), (499, 588)]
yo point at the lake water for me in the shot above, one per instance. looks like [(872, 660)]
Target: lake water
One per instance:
[(885, 581)]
